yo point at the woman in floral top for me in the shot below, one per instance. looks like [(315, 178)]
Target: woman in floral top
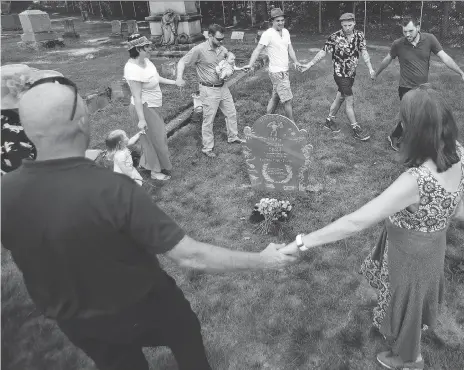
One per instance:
[(408, 262)]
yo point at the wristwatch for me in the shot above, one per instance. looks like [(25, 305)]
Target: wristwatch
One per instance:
[(299, 243)]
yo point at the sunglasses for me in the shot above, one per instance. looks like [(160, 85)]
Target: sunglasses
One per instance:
[(219, 38), (62, 81)]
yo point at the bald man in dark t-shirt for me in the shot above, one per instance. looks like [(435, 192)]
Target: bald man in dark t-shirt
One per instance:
[(86, 240), (413, 52)]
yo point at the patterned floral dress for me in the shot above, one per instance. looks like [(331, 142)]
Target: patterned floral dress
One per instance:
[(410, 256), (16, 146)]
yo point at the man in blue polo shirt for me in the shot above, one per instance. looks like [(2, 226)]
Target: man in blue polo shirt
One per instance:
[(413, 51)]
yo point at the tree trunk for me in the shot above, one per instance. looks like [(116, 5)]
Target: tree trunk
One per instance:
[(320, 16), (445, 20), (381, 19), (253, 12), (261, 11)]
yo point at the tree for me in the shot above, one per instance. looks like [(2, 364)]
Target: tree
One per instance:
[(445, 19), (261, 11)]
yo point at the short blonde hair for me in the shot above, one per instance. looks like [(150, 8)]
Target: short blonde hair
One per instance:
[(113, 142)]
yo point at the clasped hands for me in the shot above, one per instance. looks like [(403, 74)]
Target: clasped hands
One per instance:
[(280, 255)]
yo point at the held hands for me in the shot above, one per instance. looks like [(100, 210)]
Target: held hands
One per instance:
[(289, 249), (274, 258), (246, 68), (180, 82), (305, 67), (142, 124), (373, 74)]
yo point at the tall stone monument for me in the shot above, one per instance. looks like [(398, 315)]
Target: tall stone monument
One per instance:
[(37, 28), (277, 154), (174, 22)]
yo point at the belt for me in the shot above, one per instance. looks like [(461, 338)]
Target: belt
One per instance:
[(211, 85)]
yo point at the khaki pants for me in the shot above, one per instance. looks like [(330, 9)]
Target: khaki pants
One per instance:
[(213, 98)]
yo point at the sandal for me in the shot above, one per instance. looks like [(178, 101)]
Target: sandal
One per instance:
[(159, 176)]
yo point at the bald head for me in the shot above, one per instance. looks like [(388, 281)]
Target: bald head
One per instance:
[(45, 113)]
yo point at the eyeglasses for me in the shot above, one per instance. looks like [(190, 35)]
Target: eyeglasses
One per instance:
[(62, 81)]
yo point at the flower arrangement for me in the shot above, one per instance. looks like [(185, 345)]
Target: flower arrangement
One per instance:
[(270, 214)]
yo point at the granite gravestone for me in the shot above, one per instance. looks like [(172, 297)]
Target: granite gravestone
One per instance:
[(69, 30), (36, 26), (132, 27), (237, 35), (116, 29), (277, 154)]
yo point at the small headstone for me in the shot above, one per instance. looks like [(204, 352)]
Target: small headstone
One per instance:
[(116, 29), (85, 15), (69, 30), (124, 29), (92, 154), (10, 22), (132, 27), (120, 90), (97, 101), (277, 154), (237, 35)]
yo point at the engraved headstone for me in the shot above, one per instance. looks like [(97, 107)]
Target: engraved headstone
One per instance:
[(124, 29), (277, 154), (132, 27), (36, 26), (69, 30), (237, 35), (116, 29)]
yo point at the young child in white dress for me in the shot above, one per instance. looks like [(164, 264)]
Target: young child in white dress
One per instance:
[(227, 67), (117, 143)]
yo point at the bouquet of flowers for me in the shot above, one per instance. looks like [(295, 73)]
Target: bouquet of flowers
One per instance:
[(270, 213)]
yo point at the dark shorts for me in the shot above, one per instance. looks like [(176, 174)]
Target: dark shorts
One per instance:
[(345, 85), (115, 342), (403, 90), (398, 131)]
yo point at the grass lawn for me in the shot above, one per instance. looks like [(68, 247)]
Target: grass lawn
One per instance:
[(313, 315)]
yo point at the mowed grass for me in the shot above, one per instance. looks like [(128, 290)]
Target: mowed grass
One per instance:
[(313, 315)]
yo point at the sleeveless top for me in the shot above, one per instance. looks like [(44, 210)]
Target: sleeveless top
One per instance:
[(436, 205)]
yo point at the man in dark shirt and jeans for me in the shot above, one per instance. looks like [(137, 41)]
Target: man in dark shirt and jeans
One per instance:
[(413, 52), (86, 240), (345, 46)]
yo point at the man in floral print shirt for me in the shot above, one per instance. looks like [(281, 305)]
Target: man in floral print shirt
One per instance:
[(345, 46)]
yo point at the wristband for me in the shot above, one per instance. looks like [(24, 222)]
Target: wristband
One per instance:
[(299, 243)]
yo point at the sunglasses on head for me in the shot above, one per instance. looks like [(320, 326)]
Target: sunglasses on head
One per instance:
[(62, 81)]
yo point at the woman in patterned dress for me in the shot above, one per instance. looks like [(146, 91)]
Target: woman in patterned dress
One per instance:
[(15, 145), (408, 262)]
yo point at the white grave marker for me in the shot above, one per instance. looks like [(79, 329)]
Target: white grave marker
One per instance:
[(237, 35)]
